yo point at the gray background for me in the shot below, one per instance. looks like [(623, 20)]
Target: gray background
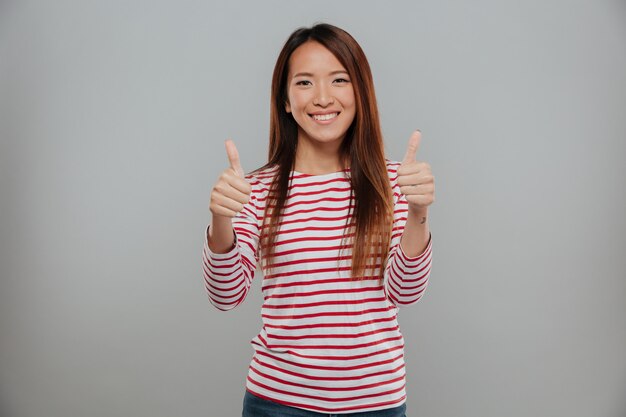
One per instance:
[(112, 121)]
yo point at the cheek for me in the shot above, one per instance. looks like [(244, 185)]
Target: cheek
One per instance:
[(348, 99), (297, 103)]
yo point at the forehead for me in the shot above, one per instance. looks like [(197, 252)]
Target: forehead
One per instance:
[(313, 57)]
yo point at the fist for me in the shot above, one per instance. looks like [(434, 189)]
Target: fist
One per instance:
[(415, 179), (231, 191)]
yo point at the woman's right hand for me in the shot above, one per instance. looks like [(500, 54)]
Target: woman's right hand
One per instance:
[(231, 191), (228, 197)]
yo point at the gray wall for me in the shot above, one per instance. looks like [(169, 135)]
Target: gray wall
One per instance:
[(113, 118)]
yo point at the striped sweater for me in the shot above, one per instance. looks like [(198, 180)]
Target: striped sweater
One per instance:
[(328, 344)]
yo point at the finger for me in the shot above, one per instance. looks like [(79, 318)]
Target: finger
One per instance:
[(414, 144), (237, 182), (225, 203), (415, 174), (233, 157), (236, 195), (411, 179), (420, 189), (218, 210), (414, 167)]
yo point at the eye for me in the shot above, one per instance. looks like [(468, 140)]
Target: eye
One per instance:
[(343, 80), (301, 82)]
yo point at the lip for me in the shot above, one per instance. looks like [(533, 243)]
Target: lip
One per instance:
[(321, 113), (324, 122)]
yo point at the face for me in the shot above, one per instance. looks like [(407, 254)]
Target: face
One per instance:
[(320, 94)]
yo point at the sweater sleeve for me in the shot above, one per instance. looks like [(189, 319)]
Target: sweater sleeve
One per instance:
[(405, 278), (228, 276)]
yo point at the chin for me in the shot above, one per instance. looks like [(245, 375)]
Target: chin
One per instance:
[(329, 139)]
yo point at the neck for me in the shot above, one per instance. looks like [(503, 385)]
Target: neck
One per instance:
[(320, 159), (318, 165)]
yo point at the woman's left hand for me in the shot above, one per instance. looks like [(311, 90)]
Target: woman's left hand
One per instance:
[(415, 178)]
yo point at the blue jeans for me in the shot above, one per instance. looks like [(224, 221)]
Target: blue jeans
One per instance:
[(254, 406)]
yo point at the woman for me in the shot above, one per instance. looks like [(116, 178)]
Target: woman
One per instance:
[(342, 234)]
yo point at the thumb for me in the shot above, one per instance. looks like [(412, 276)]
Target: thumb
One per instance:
[(233, 157), (414, 144)]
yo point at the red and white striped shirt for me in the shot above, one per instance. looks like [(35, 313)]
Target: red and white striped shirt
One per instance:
[(328, 344)]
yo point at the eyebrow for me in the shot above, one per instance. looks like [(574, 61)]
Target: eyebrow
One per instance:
[(308, 74)]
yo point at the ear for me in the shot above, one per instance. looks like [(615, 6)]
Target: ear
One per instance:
[(287, 106)]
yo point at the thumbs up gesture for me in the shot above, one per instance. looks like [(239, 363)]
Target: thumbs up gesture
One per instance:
[(231, 191), (415, 179)]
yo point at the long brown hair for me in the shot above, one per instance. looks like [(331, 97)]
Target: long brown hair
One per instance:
[(371, 221)]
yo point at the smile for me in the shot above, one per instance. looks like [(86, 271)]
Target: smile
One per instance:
[(324, 117)]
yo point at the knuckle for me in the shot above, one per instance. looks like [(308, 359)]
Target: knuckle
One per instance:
[(226, 175)]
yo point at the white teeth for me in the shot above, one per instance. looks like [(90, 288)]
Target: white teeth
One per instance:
[(325, 116)]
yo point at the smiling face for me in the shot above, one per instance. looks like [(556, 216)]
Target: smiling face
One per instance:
[(320, 95)]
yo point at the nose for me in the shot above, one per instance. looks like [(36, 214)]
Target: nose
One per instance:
[(323, 96)]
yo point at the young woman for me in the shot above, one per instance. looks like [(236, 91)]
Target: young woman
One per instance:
[(341, 232)]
